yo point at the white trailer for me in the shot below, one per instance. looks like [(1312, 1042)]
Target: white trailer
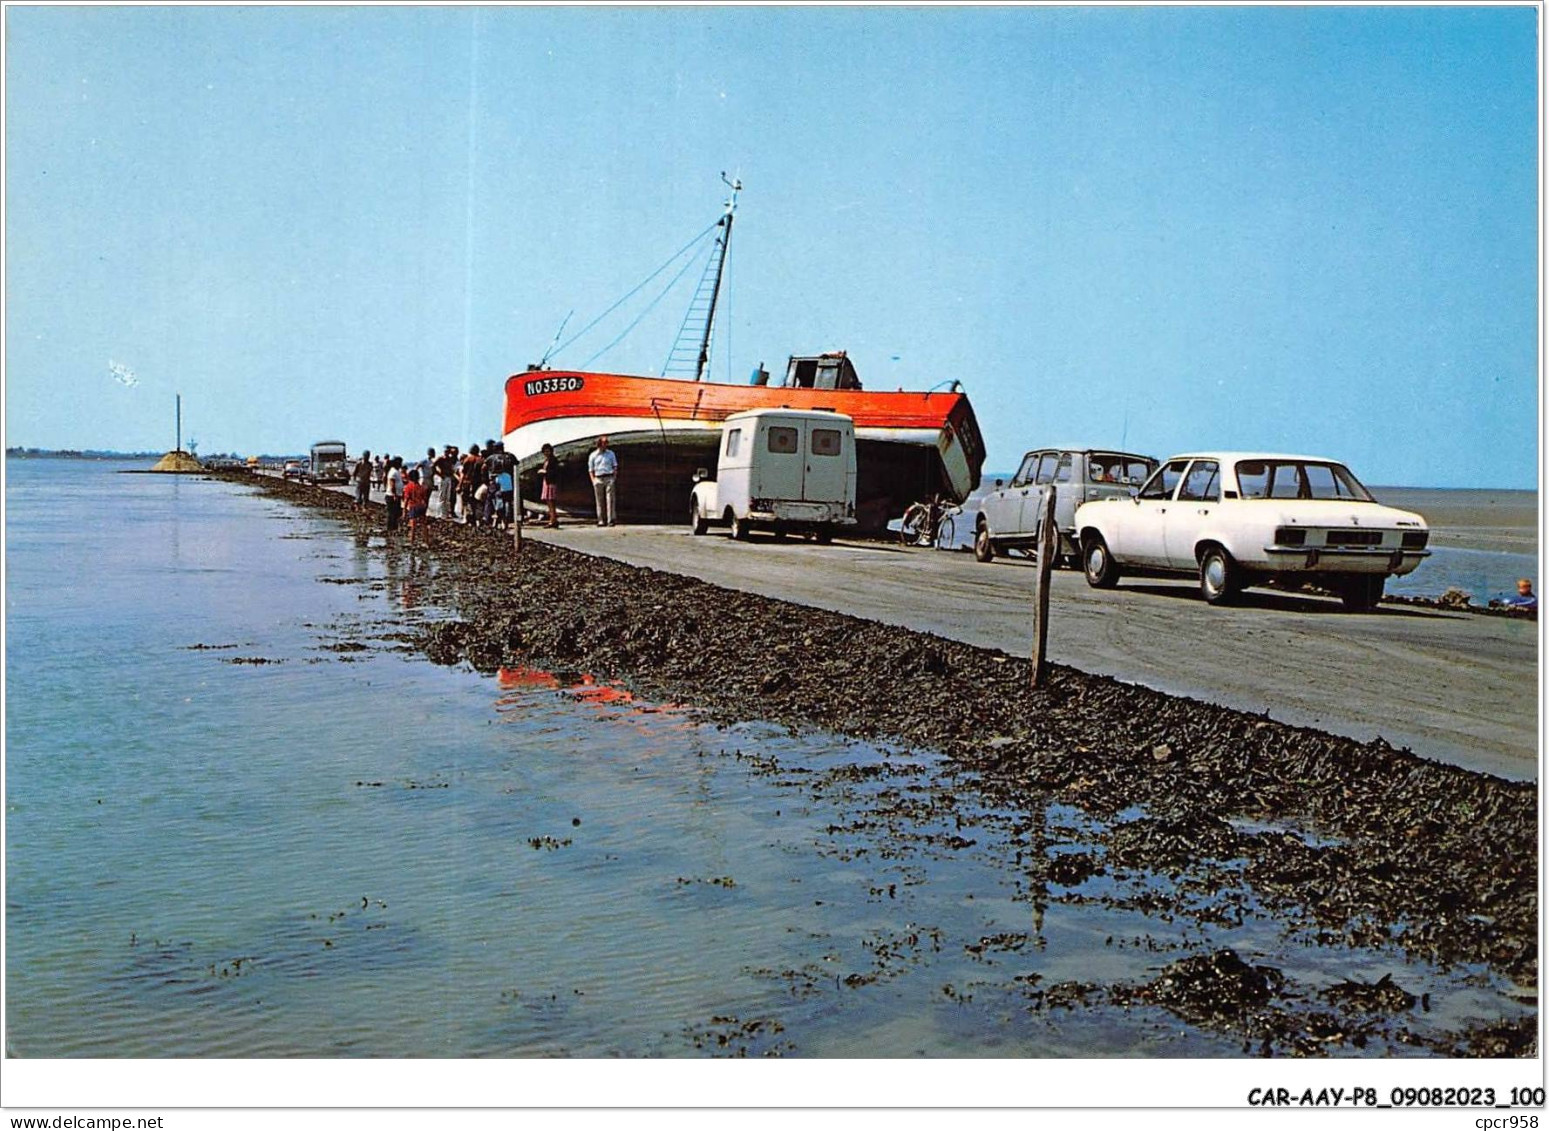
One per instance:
[(780, 469)]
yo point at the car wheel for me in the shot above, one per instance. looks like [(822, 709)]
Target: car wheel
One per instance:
[(1361, 593), (696, 520), (984, 546), (1098, 564), (739, 529), (1219, 577)]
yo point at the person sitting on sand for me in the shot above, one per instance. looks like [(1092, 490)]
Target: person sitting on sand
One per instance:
[(416, 507), (1525, 598)]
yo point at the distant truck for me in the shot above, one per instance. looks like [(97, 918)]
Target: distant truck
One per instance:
[(780, 469), (329, 463)]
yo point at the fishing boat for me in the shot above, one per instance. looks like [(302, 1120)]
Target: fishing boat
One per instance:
[(909, 445)]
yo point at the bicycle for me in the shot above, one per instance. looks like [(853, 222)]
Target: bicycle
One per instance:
[(930, 522)]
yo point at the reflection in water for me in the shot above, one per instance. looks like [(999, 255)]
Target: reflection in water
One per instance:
[(527, 678)]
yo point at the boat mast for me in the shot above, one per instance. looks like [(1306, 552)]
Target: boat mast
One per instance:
[(704, 346), (691, 351)]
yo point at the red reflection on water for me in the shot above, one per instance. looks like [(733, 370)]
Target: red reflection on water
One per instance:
[(589, 691), (529, 678), (586, 689)]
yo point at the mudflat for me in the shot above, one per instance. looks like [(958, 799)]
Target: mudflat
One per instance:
[(1449, 685), (1496, 521)]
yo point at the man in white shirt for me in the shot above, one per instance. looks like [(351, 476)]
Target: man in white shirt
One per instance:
[(603, 466), (394, 491)]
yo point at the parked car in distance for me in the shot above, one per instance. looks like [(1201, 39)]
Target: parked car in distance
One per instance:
[(1242, 518), (783, 470), (1009, 515), (293, 469)]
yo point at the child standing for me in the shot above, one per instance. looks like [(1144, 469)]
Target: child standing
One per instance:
[(416, 507)]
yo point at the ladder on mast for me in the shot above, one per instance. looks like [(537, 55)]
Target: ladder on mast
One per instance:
[(690, 354)]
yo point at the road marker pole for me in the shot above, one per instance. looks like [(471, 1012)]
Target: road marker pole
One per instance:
[(1048, 546), (521, 512)]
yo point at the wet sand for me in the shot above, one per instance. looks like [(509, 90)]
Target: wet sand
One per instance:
[(1497, 521), (1347, 844)]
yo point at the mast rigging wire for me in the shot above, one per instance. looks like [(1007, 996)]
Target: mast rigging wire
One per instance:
[(650, 306), (637, 288)]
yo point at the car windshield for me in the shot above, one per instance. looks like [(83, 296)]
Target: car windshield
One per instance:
[(1298, 479)]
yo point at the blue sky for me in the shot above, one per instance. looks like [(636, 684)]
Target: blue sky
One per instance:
[(1289, 228)]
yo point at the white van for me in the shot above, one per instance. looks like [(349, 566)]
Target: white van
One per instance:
[(781, 469)]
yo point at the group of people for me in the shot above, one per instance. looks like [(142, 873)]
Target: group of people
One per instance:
[(478, 486)]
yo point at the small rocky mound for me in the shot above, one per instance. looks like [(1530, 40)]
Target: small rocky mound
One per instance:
[(178, 463)]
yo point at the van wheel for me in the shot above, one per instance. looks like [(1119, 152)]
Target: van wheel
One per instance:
[(984, 546), (739, 529), (1219, 578), (696, 521), (779, 533), (823, 537), (1098, 564)]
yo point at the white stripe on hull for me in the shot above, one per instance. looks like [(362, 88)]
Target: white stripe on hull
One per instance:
[(528, 440)]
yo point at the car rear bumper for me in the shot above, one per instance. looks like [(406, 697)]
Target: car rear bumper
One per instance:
[(800, 514), (1342, 559)]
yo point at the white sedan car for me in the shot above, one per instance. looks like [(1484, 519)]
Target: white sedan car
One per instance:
[(1240, 518)]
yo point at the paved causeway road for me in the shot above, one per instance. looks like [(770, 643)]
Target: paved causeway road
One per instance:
[(1451, 686)]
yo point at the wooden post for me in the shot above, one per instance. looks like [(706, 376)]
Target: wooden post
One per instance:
[(516, 505), (1048, 547)]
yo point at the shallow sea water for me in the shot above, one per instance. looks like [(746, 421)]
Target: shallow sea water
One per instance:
[(348, 851)]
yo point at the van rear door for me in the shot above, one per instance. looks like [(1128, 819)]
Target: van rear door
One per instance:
[(827, 463), (780, 460)]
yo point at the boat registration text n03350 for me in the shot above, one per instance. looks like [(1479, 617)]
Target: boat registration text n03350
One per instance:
[(554, 385)]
